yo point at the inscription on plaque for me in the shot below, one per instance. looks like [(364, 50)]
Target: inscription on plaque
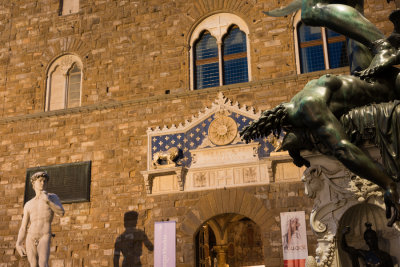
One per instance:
[(71, 181)]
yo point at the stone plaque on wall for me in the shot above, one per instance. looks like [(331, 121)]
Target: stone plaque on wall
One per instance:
[(71, 181)]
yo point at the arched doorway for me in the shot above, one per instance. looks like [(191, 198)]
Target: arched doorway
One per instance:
[(229, 240)]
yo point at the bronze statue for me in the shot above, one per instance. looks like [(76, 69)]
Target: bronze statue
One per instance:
[(374, 257), (346, 17), (311, 118)]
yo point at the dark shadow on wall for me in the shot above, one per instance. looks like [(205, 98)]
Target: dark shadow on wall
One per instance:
[(130, 242)]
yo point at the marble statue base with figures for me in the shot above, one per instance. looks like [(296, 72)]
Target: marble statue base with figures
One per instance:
[(342, 199)]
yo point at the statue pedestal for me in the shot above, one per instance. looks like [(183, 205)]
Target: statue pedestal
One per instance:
[(344, 199)]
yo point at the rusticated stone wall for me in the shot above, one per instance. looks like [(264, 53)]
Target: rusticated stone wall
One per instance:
[(132, 49), (114, 138)]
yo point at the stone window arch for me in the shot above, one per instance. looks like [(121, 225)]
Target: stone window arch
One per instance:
[(64, 83), (219, 52), (318, 48)]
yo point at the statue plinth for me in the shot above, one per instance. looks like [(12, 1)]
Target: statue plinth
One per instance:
[(343, 199)]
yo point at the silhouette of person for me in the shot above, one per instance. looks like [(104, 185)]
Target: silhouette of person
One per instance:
[(130, 242), (374, 257)]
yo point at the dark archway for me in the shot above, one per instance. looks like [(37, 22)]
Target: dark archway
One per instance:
[(234, 201), (231, 239)]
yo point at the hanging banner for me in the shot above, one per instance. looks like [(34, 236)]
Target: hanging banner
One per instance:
[(294, 238), (164, 244)]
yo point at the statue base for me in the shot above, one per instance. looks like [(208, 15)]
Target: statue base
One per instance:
[(343, 199)]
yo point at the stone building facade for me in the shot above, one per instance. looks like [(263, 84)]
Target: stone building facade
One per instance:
[(135, 69)]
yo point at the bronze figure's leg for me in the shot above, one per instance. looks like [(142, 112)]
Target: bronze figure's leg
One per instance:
[(326, 127), (309, 110), (385, 56), (315, 112), (342, 19)]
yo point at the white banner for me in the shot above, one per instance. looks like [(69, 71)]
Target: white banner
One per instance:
[(165, 244), (294, 238)]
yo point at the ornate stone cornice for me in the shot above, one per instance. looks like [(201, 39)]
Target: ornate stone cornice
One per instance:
[(220, 103)]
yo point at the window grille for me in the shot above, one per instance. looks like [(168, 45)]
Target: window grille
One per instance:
[(320, 49), (235, 57), (337, 50), (221, 63), (206, 61), (219, 51)]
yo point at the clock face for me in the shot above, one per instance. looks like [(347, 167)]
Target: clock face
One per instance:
[(222, 130)]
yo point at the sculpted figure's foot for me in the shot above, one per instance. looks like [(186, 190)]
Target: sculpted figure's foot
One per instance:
[(385, 56), (391, 199)]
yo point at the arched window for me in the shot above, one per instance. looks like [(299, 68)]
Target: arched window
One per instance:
[(64, 83), (219, 52), (318, 48)]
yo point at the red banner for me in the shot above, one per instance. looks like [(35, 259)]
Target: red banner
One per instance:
[(295, 263)]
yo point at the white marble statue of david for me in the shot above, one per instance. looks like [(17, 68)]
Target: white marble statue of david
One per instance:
[(39, 211)]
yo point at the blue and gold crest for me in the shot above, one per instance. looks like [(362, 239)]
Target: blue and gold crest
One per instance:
[(215, 127)]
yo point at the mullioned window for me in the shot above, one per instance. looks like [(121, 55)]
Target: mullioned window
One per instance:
[(219, 52), (318, 48)]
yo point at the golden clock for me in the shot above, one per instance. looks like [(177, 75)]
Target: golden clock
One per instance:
[(222, 130)]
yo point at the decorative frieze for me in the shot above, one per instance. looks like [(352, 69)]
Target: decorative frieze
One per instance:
[(210, 150)]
